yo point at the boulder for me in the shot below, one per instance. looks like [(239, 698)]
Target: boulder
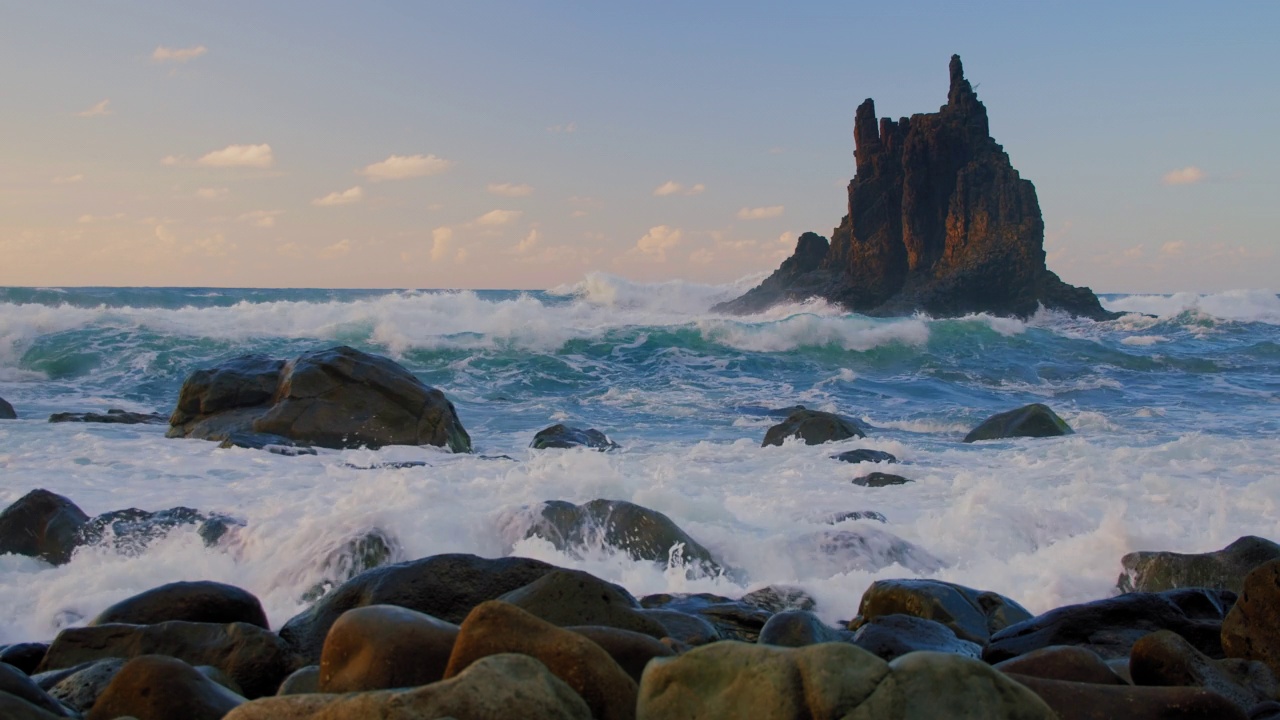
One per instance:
[(862, 455), (371, 549), (564, 436), (879, 479), (13, 707), (1146, 571), (80, 689), (378, 647), (971, 614), (254, 658), (691, 630), (1164, 658), (814, 427), (154, 687), (13, 682), (114, 416), (335, 398), (131, 530), (631, 650), (1089, 701), (497, 627), (892, 636), (740, 619), (24, 656), (201, 601), (42, 524), (573, 597), (1252, 628), (6, 411), (1063, 662), (798, 628), (303, 681), (497, 687), (442, 586), (1034, 420)]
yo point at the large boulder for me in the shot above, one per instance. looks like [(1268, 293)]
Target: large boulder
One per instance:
[(202, 601), (1148, 571), (565, 436), (1252, 629), (814, 427), (1034, 420), (6, 411), (972, 614), (17, 684), (1165, 659), (1091, 701), (336, 398), (733, 619), (892, 636), (154, 687), (378, 647), (1063, 662), (43, 525), (573, 597)]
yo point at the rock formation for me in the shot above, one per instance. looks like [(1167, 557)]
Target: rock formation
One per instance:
[(938, 221)]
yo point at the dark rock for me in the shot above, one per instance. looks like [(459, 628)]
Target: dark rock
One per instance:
[(1089, 701), (778, 598), (1202, 603), (43, 525), (254, 658), (865, 548), (335, 398), (14, 682), (740, 619), (972, 614), (564, 436), (372, 549), (1146, 571), (154, 687), (1165, 659), (1034, 420), (275, 444), (879, 479), (1269, 710), (1252, 628), (691, 630), (131, 530), (1063, 662), (303, 681), (6, 411), (13, 707), (442, 586), (839, 517), (938, 221), (631, 650), (402, 465), (814, 427), (202, 601), (892, 636), (24, 656), (862, 455), (377, 647), (797, 628), (573, 597), (114, 416), (80, 690)]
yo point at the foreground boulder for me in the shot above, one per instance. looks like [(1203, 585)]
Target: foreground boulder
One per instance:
[(564, 436), (1165, 659), (1034, 420), (1226, 568), (573, 597), (114, 416), (335, 398), (380, 647), (6, 411), (973, 615), (891, 636), (154, 687), (42, 524), (202, 601), (1252, 629), (1063, 662), (814, 427), (1089, 701), (734, 619), (18, 685)]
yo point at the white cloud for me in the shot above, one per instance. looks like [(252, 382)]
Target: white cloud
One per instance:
[(568, 127), (97, 110), (529, 242), (697, 189), (171, 160), (178, 55), (85, 219), (261, 218), (212, 193), (1188, 175), (578, 213), (68, 179), (1173, 248), (258, 156), (1134, 252), (670, 187), (441, 240), (336, 250), (761, 213), (509, 190), (658, 241), (346, 197), (498, 217), (403, 167)]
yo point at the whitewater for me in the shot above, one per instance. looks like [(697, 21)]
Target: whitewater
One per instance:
[(1176, 408)]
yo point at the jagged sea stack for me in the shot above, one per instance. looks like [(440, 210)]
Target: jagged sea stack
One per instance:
[(938, 221)]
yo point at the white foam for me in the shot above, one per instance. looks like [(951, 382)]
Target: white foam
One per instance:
[(1235, 305), (849, 332)]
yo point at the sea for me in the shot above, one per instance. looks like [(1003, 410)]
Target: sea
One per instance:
[(1175, 407)]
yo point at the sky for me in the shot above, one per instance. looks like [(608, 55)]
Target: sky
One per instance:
[(487, 144)]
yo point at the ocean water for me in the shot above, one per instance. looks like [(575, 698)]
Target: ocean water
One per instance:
[(1176, 408)]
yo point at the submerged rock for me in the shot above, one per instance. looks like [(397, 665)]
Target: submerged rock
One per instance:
[(274, 444), (879, 479), (42, 524), (367, 551), (131, 530), (814, 427), (1226, 568), (838, 517), (564, 436), (114, 416), (1034, 420), (862, 455)]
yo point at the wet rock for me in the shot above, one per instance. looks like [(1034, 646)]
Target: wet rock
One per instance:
[(6, 411), (372, 549), (972, 614), (497, 687), (1063, 662), (631, 650), (868, 549), (814, 427), (879, 479), (839, 517), (573, 597), (740, 619), (1269, 710), (42, 524), (892, 636), (154, 687), (777, 598), (564, 436), (1252, 629), (275, 444), (379, 647), (114, 416), (13, 682), (301, 682), (1226, 568), (15, 708), (131, 530), (763, 411), (334, 398), (1165, 659), (497, 627), (443, 586), (862, 455), (401, 465), (24, 656), (254, 658), (798, 628), (1034, 420), (80, 689), (691, 630), (1089, 701), (202, 601)]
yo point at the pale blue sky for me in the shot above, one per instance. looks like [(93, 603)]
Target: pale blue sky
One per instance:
[(536, 135)]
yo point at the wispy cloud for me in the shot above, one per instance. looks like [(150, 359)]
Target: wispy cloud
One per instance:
[(696, 189), (403, 167), (1173, 249), (172, 160), (178, 55), (212, 193), (761, 213), (345, 197), (529, 242), (86, 219), (671, 187), (97, 110), (1188, 175), (258, 156), (68, 179), (441, 243), (261, 218), (568, 127), (498, 217), (336, 250), (658, 241), (510, 190)]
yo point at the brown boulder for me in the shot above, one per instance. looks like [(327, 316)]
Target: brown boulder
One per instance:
[(1063, 662), (631, 650), (1226, 568), (383, 646), (202, 601), (573, 597), (154, 687), (1165, 658), (1252, 628), (1089, 701), (971, 614)]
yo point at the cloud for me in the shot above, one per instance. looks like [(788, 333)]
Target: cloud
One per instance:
[(96, 111), (261, 218), (568, 127), (1188, 175), (578, 213), (529, 242), (258, 156), (1173, 248), (658, 241), (212, 193), (509, 190), (85, 219), (671, 187), (336, 250), (178, 55), (346, 197), (403, 167), (68, 179), (760, 213), (172, 160), (697, 189), (498, 217), (1134, 252), (441, 240)]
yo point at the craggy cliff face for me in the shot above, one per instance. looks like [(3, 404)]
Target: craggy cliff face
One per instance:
[(938, 221)]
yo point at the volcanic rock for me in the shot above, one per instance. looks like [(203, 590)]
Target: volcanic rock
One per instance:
[(563, 436), (1034, 420), (972, 614), (202, 601), (814, 427), (1226, 568), (43, 525), (938, 221)]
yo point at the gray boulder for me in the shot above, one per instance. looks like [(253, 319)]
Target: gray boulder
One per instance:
[(1034, 420), (6, 411), (814, 427), (973, 615), (1146, 571), (564, 436), (43, 525)]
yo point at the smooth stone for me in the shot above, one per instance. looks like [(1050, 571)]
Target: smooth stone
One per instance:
[(866, 455), (573, 597), (565, 436), (1063, 662), (155, 687), (1146, 571), (731, 619), (631, 650), (201, 601), (798, 628), (42, 524), (1034, 420), (16, 683), (892, 636), (24, 656), (114, 416), (1090, 701), (15, 708), (379, 647), (81, 689), (1252, 629), (879, 479), (303, 681), (691, 630), (814, 427), (972, 614), (1165, 658)]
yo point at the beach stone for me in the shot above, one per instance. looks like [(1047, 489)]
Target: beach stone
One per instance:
[(81, 689), (16, 683), (41, 524), (798, 628), (814, 427), (1064, 662), (971, 614), (24, 656), (155, 687), (201, 601), (114, 416), (1252, 628), (15, 708), (631, 650), (257, 660), (740, 619), (6, 411), (497, 687), (1034, 420), (1110, 627), (892, 636), (691, 630), (301, 682), (879, 479), (1165, 658), (442, 586), (377, 647), (1090, 701), (862, 455), (1226, 568), (573, 597), (565, 436), (497, 627)]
